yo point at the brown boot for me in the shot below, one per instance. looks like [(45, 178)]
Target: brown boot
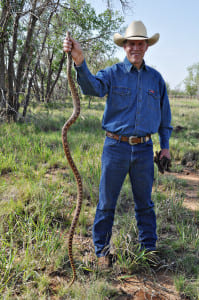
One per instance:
[(104, 262)]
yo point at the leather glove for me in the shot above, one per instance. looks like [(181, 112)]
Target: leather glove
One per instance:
[(163, 164)]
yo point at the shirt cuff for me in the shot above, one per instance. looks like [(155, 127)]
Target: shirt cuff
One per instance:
[(164, 143), (79, 67)]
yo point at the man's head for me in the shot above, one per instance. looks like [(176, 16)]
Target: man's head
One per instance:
[(135, 41), (135, 50)]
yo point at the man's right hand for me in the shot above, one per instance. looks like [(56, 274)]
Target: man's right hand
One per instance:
[(70, 45)]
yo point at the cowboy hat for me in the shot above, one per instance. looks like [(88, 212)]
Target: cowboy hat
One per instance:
[(135, 31)]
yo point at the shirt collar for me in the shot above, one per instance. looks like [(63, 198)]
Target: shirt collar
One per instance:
[(129, 66)]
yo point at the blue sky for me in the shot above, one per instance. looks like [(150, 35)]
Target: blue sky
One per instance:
[(177, 21)]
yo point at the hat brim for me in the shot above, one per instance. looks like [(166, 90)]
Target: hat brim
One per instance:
[(119, 39)]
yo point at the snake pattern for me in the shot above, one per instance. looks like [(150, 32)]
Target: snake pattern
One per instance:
[(69, 122)]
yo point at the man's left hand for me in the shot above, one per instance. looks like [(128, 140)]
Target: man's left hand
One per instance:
[(166, 153), (163, 160)]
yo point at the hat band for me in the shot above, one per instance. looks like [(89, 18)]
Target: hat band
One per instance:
[(142, 36)]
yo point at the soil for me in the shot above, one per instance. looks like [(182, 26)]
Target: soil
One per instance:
[(157, 285), (160, 286), (191, 200)]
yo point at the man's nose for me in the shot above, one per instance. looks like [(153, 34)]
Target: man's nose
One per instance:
[(136, 47)]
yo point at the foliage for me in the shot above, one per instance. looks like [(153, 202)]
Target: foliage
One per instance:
[(168, 88), (192, 80), (31, 52)]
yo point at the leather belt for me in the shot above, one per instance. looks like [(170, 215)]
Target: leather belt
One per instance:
[(132, 140)]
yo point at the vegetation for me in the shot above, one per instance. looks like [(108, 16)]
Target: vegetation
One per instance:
[(37, 187), (192, 80), (38, 195), (31, 51)]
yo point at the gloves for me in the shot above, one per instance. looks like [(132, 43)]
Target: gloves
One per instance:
[(163, 164)]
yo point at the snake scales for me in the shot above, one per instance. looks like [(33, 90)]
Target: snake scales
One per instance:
[(69, 122)]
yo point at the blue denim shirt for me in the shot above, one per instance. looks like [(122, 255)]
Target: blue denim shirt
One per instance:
[(137, 101)]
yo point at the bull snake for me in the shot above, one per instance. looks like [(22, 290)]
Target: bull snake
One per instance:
[(69, 122)]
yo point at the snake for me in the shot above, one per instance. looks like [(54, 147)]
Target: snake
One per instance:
[(67, 125)]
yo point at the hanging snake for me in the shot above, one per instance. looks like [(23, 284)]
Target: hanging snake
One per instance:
[(69, 122)]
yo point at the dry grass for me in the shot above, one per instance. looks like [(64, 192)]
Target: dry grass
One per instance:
[(38, 194)]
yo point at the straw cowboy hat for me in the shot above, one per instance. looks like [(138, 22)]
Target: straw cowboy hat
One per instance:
[(135, 31)]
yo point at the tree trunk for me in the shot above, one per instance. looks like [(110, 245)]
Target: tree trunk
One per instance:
[(4, 19), (51, 89)]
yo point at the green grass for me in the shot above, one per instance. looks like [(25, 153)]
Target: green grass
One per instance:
[(38, 198)]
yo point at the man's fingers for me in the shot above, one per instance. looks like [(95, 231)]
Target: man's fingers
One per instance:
[(67, 44)]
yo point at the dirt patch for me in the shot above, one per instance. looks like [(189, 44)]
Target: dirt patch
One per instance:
[(191, 190), (156, 285), (147, 287)]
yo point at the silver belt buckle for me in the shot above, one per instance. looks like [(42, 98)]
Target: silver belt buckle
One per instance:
[(130, 138)]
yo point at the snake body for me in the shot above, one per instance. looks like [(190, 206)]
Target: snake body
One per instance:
[(69, 122)]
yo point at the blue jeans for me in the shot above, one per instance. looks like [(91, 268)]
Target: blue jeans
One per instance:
[(118, 159)]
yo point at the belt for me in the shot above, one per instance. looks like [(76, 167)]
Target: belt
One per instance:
[(132, 140)]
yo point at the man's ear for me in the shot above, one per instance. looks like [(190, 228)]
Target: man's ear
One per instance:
[(124, 45)]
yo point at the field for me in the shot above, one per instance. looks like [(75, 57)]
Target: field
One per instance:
[(38, 198)]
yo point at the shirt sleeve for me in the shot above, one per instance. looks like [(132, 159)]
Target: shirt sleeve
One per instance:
[(165, 128), (90, 84)]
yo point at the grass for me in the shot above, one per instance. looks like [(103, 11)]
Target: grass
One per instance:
[(38, 198)]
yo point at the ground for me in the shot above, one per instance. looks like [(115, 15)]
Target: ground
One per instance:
[(158, 284), (161, 286), (145, 288)]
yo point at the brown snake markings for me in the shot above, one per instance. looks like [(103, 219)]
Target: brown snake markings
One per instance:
[(69, 122)]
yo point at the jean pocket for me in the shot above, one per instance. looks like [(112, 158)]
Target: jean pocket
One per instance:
[(110, 142)]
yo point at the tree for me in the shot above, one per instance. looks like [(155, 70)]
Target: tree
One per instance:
[(168, 88), (91, 30), (31, 52), (18, 22), (192, 80)]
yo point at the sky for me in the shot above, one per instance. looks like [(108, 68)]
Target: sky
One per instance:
[(177, 21)]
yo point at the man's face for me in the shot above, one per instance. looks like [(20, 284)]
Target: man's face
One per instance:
[(135, 51)]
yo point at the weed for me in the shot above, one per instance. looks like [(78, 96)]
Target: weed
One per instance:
[(38, 198)]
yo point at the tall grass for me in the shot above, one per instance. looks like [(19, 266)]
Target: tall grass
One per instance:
[(38, 198)]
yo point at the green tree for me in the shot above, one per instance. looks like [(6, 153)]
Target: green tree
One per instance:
[(92, 30), (31, 51), (18, 21), (168, 88), (192, 80)]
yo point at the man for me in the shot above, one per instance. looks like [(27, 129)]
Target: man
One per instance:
[(137, 106)]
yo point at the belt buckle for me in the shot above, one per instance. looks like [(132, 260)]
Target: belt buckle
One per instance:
[(130, 138)]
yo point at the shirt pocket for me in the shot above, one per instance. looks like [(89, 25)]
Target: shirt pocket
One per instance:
[(121, 97), (153, 93), (153, 100)]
